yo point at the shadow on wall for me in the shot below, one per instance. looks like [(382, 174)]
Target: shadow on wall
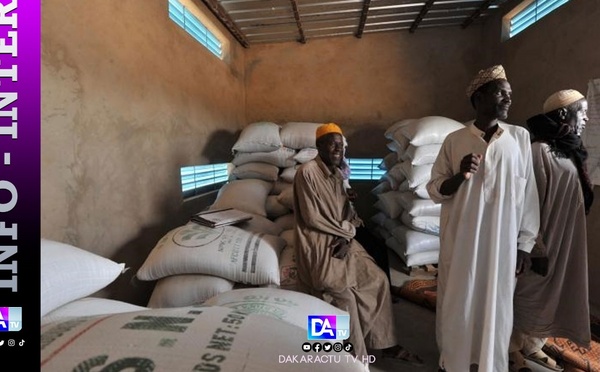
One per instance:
[(219, 145), (367, 141), (127, 287)]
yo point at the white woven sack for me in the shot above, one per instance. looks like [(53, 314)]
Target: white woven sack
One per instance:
[(421, 191), (392, 243), (286, 222), (183, 339), (416, 206), (282, 157), (425, 224), (255, 170), (298, 135), (421, 258), (262, 136), (416, 174), (420, 155), (389, 133), (388, 161), (286, 197), (415, 259), (279, 186), (391, 204), (187, 289), (390, 224), (395, 176), (403, 186), (288, 174), (382, 233), (393, 147), (288, 269), (429, 130), (402, 143), (305, 155), (89, 306), (289, 306), (382, 186), (415, 241), (289, 237), (228, 252), (379, 218), (249, 195), (275, 208), (260, 225), (69, 273)]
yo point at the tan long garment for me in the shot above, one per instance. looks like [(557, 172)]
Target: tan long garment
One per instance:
[(557, 305), (354, 284)]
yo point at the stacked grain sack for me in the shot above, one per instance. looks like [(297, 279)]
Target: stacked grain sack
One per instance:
[(258, 252), (407, 219)]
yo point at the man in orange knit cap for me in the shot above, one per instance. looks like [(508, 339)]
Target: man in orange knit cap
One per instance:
[(332, 265)]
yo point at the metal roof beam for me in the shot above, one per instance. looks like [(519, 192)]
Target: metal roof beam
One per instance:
[(363, 18), (222, 15), (421, 15), (298, 23), (486, 4)]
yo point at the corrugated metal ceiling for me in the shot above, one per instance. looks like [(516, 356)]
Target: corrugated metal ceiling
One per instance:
[(270, 21)]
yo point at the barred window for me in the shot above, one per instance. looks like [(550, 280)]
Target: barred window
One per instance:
[(527, 13), (186, 20)]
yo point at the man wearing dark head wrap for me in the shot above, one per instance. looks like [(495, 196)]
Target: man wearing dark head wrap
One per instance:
[(483, 177), (555, 303), (332, 265)]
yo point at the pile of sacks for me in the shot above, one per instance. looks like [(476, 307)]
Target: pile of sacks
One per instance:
[(407, 219), (193, 263)]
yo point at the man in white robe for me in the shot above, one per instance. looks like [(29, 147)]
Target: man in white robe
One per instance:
[(483, 176)]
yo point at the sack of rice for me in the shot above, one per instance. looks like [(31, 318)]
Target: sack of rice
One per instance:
[(183, 339), (290, 306), (262, 136), (227, 252), (187, 289)]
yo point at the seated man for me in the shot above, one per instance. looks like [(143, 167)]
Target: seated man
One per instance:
[(331, 264)]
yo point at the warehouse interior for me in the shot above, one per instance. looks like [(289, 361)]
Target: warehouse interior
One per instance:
[(128, 98)]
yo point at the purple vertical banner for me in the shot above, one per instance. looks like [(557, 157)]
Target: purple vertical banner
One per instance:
[(20, 180)]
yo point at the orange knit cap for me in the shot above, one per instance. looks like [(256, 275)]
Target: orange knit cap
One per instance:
[(328, 128)]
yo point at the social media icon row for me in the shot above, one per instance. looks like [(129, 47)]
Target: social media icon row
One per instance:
[(327, 347), (12, 342)]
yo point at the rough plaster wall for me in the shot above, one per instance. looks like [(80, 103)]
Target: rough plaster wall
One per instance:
[(363, 84), (127, 99), (560, 51)]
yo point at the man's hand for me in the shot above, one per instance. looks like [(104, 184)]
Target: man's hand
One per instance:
[(523, 262), (470, 164), (352, 194), (339, 248)]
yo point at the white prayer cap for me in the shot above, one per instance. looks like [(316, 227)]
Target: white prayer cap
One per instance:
[(562, 98), (485, 76)]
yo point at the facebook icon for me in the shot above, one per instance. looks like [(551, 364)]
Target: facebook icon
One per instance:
[(328, 327)]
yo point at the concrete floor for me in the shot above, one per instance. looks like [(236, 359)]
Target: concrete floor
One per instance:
[(415, 327)]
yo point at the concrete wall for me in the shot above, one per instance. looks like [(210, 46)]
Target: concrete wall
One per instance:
[(364, 84), (128, 98), (560, 51)]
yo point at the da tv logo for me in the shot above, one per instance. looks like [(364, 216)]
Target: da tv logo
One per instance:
[(10, 319), (328, 327)]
